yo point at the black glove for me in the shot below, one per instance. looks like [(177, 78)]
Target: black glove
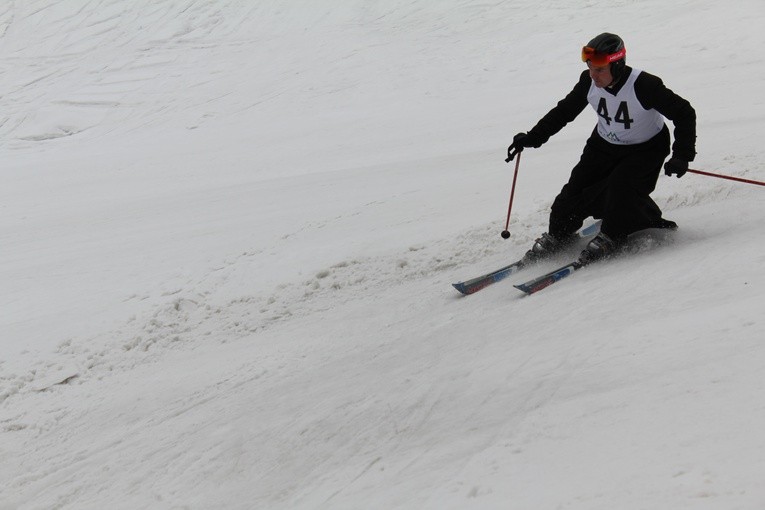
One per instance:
[(676, 166), (520, 141)]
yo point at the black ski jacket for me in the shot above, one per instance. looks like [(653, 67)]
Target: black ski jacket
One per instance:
[(652, 94)]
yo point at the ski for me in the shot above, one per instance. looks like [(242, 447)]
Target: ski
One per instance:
[(544, 281), (481, 282), (648, 236)]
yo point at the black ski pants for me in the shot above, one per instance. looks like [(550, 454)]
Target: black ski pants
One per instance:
[(613, 183)]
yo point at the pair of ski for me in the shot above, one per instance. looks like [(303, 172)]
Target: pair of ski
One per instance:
[(530, 287)]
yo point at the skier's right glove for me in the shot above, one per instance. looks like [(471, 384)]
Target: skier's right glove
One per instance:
[(520, 141)]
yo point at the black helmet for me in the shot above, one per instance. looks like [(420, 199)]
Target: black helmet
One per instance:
[(610, 48)]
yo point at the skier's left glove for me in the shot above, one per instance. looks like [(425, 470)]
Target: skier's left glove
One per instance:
[(676, 166)]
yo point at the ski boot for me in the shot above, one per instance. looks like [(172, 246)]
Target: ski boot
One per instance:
[(546, 246), (598, 248)]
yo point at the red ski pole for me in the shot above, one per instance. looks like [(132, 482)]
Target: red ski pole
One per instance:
[(506, 233), (719, 176)]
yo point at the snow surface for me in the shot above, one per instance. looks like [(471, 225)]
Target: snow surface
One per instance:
[(228, 231)]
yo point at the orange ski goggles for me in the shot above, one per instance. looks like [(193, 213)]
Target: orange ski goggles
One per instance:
[(601, 59)]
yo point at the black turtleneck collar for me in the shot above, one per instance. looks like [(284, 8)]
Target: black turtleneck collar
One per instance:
[(615, 87)]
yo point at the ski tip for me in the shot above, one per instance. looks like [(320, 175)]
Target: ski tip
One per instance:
[(460, 287), (467, 288), (523, 288)]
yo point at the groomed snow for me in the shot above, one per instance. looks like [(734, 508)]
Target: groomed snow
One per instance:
[(228, 231)]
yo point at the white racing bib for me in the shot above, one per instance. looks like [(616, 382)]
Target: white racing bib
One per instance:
[(622, 120)]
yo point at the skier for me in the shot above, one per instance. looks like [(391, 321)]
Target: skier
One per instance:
[(622, 159)]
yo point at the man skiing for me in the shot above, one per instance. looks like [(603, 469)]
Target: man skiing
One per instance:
[(622, 159)]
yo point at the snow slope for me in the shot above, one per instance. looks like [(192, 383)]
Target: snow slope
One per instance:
[(228, 231)]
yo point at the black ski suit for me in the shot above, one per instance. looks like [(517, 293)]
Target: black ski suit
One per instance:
[(613, 181)]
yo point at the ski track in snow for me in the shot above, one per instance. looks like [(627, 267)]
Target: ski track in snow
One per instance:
[(191, 314)]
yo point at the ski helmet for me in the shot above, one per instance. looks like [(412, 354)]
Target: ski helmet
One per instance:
[(606, 49)]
